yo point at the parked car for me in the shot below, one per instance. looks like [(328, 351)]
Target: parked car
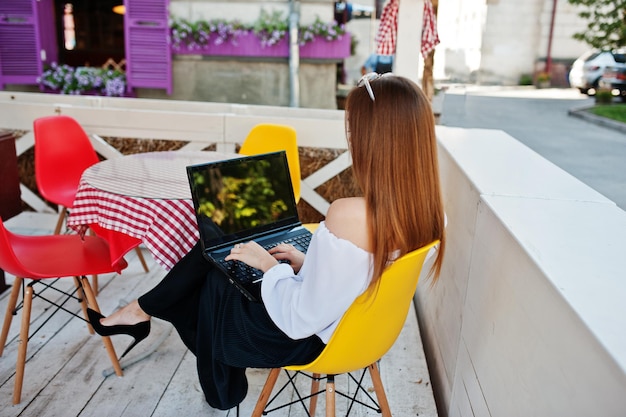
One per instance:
[(614, 79), (589, 68)]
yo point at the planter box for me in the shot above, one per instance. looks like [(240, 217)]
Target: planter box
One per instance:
[(248, 45), (320, 48), (245, 45), (130, 94)]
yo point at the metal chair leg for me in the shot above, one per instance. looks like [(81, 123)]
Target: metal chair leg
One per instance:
[(381, 406), (330, 396)]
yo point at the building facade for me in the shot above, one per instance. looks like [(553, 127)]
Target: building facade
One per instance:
[(482, 41), (500, 41)]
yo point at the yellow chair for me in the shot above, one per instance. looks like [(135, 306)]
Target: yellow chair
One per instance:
[(365, 333), (266, 137)]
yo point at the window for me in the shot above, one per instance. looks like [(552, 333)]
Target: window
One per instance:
[(69, 36), (89, 32)]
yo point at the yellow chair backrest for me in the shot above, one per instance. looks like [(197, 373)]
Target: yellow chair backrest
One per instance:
[(373, 322), (267, 137)]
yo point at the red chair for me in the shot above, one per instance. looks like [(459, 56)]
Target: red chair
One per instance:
[(63, 152), (40, 258)]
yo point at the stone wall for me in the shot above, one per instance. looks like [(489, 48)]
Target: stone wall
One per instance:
[(249, 81)]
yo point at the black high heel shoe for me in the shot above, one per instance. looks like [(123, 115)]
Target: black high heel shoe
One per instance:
[(138, 331)]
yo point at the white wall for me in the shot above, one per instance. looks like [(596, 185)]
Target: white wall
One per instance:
[(510, 41), (528, 315), (500, 40)]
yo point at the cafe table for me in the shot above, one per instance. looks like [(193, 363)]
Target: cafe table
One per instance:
[(141, 198)]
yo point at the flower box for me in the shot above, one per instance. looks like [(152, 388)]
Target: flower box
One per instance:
[(320, 48), (249, 45), (126, 93), (93, 81), (246, 44)]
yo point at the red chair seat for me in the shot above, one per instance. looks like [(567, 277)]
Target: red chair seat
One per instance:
[(62, 256)]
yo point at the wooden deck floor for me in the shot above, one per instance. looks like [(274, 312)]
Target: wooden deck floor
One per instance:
[(68, 372)]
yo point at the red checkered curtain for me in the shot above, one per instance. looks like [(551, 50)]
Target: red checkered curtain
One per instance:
[(430, 37), (388, 29)]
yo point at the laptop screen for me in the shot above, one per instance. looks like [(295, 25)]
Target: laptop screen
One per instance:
[(243, 197)]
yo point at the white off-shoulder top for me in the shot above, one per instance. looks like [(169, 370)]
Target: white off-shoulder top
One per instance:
[(334, 273)]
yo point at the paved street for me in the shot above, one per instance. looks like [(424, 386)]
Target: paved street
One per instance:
[(594, 154)]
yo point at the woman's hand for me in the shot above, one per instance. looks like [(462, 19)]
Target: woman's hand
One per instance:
[(286, 252), (252, 254), (256, 256)]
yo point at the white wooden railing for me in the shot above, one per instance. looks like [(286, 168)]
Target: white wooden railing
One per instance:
[(197, 123)]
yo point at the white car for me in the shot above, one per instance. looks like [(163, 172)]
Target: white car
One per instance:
[(614, 79), (588, 69)]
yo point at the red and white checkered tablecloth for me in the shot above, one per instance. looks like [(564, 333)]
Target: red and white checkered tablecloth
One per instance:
[(141, 198)]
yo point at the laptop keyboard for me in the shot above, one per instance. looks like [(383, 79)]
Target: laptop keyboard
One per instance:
[(246, 273), (299, 242)]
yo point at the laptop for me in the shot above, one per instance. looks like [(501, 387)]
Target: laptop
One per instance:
[(243, 199)]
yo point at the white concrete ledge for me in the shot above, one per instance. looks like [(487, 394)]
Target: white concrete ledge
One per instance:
[(528, 316)]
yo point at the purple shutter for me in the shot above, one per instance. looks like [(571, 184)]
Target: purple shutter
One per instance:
[(27, 40), (148, 55), (19, 50), (46, 32)]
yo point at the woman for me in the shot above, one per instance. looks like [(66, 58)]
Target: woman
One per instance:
[(390, 131)]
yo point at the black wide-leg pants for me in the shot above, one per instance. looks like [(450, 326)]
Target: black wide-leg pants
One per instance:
[(224, 330)]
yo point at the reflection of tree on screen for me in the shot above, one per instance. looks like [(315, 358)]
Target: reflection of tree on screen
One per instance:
[(243, 196)]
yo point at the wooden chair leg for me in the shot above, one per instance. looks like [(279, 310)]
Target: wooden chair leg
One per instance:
[(266, 392), (94, 285), (22, 350), (315, 386), (83, 303), (62, 215), (91, 300), (141, 259), (379, 389), (8, 317), (330, 396), (94, 278)]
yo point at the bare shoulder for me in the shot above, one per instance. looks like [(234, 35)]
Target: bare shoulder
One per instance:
[(347, 219)]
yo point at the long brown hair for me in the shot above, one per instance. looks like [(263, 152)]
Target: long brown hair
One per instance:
[(394, 160)]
